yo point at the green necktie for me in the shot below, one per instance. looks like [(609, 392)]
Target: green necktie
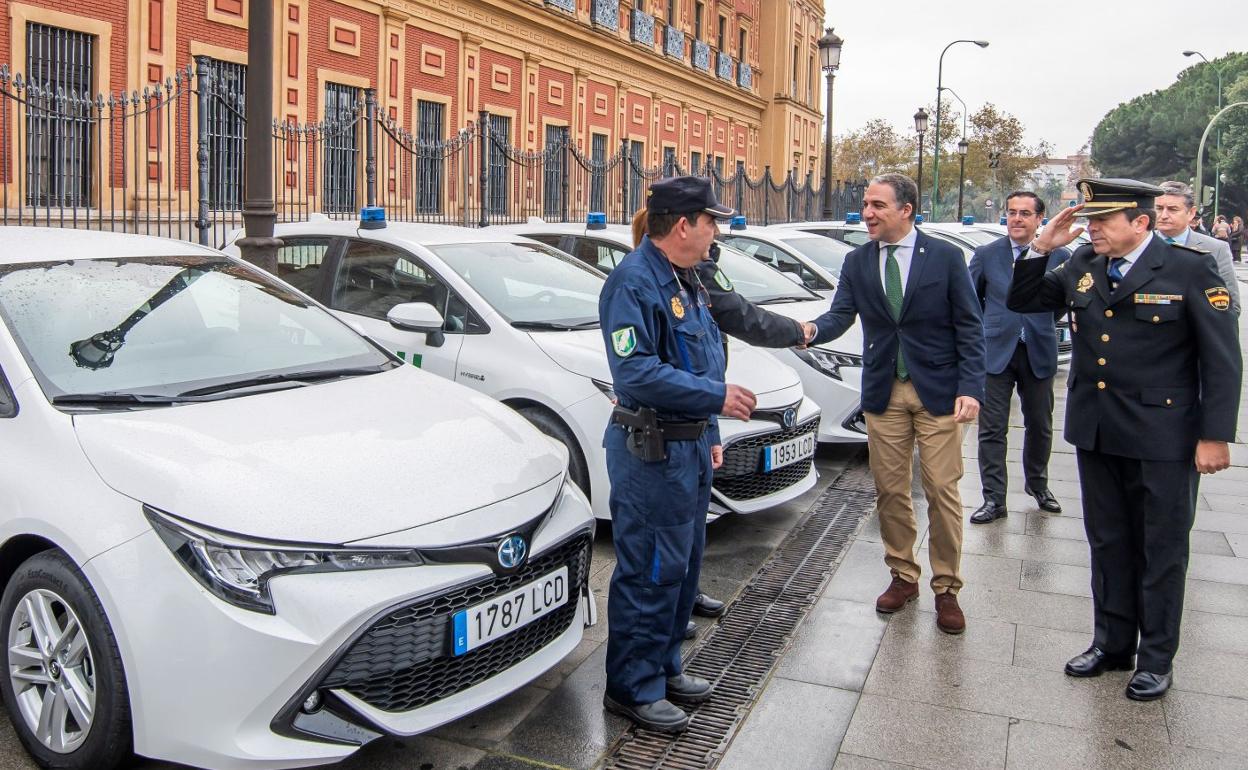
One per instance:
[(1170, 240), (892, 290)]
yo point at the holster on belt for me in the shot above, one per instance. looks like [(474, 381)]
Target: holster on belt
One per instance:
[(647, 434)]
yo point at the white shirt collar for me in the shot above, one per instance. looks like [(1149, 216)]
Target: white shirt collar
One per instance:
[(1137, 251), (1180, 239), (905, 243)]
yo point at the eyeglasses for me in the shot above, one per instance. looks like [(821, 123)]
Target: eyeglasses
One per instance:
[(1020, 214)]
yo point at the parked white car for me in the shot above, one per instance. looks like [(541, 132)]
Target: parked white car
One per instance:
[(789, 249), (518, 321), (831, 373), (236, 533)]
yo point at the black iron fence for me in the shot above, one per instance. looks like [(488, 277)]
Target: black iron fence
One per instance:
[(169, 161)]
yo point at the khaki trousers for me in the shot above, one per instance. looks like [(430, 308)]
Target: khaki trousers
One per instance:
[(891, 437)]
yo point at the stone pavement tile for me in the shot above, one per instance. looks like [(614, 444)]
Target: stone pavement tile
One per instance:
[(485, 728), (555, 676), (794, 725), (1226, 490), (1015, 522), (994, 542), (861, 576), (1185, 757), (1047, 649), (1207, 721), (914, 633), (926, 736), (1223, 633), (1069, 528), (1009, 603), (835, 645), (854, 762), (1239, 545), (1014, 691), (1226, 503), (504, 762), (736, 547), (1042, 746), (1057, 579), (403, 753), (1217, 521), (569, 727), (1217, 569)]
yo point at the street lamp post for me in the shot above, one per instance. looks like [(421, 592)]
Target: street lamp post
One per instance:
[(1200, 150), (1217, 184), (963, 146), (940, 70), (830, 60), (920, 128), (258, 246)]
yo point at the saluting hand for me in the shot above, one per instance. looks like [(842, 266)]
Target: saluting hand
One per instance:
[(738, 402), (1212, 456), (965, 409), (1058, 232)]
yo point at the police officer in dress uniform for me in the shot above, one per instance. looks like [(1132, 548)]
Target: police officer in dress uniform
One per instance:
[(667, 368), (1153, 399)]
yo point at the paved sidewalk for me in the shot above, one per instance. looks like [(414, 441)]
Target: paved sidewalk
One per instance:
[(860, 690)]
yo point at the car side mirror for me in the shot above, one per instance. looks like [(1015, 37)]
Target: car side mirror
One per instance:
[(418, 317)]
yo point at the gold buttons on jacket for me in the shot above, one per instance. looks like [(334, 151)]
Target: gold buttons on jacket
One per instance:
[(1104, 338), (1156, 319), (1109, 313), (1101, 385), (1100, 361), (1169, 402)]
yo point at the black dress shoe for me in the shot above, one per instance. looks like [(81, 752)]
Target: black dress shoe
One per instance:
[(661, 716), (688, 689), (1045, 499), (989, 511), (707, 607), (691, 630), (1096, 661), (1145, 685)]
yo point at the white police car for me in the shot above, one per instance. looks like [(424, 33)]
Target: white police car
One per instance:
[(788, 248), (235, 533), (517, 320), (831, 373)]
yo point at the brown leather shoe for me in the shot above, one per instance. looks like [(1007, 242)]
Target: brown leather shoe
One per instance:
[(949, 617), (899, 593)]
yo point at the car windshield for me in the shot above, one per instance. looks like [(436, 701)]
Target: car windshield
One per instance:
[(163, 326), (757, 282), (824, 252), (529, 284), (978, 237)]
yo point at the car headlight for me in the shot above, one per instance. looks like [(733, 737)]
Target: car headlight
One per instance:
[(238, 570), (606, 389), (826, 361)]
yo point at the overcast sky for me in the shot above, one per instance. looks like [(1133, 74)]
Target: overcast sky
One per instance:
[(1059, 71)]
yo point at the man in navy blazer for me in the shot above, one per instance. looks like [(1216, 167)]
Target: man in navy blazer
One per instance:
[(923, 374), (1022, 353)]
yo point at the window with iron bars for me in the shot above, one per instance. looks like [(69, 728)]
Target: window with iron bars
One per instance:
[(695, 163), (227, 88), (430, 127), (669, 161), (60, 66), (342, 148), (637, 151), (500, 137), (552, 183), (598, 180)]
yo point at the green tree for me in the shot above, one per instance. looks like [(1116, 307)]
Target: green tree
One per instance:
[(876, 148)]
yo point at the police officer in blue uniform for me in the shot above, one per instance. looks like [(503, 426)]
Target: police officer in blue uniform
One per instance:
[(1152, 403), (667, 367)]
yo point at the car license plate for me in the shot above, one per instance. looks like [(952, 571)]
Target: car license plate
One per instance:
[(501, 615), (788, 452)]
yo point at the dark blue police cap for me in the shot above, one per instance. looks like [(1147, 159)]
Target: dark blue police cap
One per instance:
[(686, 195), (1102, 197)]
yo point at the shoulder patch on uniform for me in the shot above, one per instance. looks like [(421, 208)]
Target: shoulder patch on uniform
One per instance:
[(1219, 297), (624, 341), (722, 280)]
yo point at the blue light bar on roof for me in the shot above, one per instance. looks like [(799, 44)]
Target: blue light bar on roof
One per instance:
[(372, 218), (597, 220), (918, 219), (968, 220), (737, 223), (1002, 220), (853, 218)]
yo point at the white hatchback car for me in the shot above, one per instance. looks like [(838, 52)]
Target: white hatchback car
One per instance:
[(831, 373), (235, 533), (518, 321), (812, 258)]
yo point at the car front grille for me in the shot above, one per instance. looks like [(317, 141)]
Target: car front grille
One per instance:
[(404, 660), (741, 477)]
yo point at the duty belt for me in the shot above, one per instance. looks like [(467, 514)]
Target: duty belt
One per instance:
[(645, 418)]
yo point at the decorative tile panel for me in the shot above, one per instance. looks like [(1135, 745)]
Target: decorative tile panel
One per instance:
[(606, 14), (723, 66), (745, 76), (701, 56), (643, 28), (673, 42), (564, 5)]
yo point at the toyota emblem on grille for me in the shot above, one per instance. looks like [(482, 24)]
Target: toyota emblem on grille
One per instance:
[(511, 552), (789, 418)]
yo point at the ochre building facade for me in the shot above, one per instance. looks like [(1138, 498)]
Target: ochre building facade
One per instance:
[(733, 83)]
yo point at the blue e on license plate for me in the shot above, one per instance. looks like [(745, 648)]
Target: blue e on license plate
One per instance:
[(503, 614)]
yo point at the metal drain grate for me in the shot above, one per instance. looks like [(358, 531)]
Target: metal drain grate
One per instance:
[(739, 652)]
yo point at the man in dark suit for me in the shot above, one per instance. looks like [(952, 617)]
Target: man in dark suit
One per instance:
[(1021, 353), (923, 375), (1154, 396), (1175, 210)]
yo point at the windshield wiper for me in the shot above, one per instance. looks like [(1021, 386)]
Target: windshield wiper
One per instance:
[(781, 299), (554, 325), (296, 378), (118, 399)]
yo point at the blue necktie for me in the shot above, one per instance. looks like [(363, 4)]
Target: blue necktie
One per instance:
[(1115, 272)]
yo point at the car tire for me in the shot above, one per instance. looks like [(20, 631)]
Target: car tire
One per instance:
[(87, 668), (552, 426)]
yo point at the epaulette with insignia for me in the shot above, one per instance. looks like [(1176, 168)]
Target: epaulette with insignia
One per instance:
[(1192, 249)]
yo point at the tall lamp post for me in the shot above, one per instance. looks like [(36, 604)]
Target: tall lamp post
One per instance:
[(940, 71), (963, 146), (920, 128), (1217, 182), (830, 61), (1200, 150), (258, 246)]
